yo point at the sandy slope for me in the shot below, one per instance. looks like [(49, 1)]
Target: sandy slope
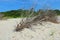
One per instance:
[(49, 31)]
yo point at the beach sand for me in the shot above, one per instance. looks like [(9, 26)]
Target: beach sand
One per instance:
[(47, 31)]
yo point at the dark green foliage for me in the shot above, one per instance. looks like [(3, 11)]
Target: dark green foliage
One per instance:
[(24, 13), (57, 11)]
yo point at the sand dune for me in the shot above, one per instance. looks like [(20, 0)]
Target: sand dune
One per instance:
[(47, 31)]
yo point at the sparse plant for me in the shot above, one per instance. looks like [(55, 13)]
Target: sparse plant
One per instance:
[(1, 16), (44, 15)]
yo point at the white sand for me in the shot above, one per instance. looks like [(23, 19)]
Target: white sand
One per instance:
[(49, 31)]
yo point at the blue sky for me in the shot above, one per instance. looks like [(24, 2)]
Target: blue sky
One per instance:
[(6, 5)]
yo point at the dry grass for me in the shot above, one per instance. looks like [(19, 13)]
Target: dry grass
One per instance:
[(46, 15), (1, 16)]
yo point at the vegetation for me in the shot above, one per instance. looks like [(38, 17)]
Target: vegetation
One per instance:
[(32, 17), (57, 11), (23, 13), (37, 18)]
